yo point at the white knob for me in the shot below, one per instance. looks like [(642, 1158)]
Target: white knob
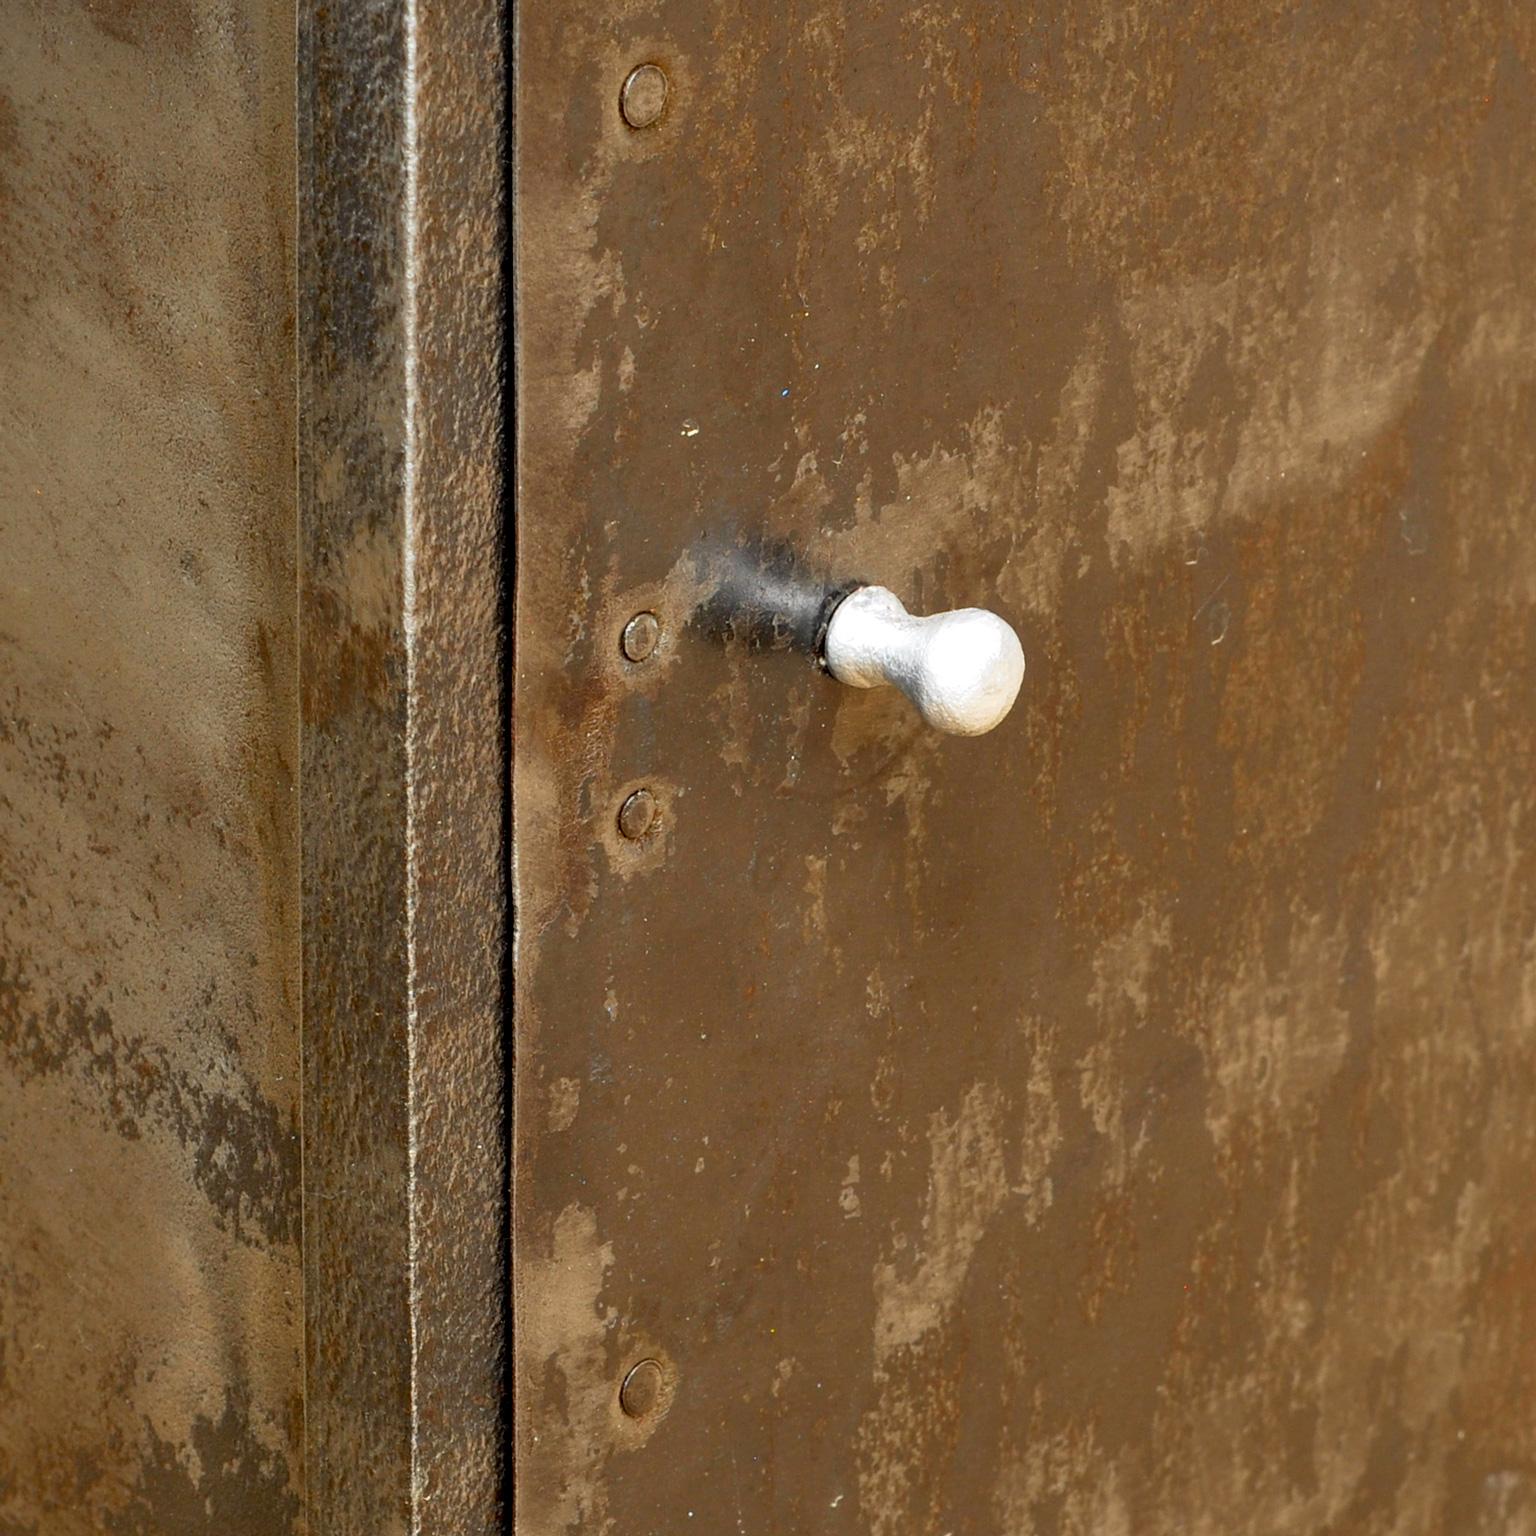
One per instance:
[(962, 669)]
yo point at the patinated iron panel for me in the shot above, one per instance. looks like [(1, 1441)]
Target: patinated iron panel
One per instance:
[(1122, 1122), (150, 1284)]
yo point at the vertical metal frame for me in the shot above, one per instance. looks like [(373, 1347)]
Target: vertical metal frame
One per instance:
[(404, 777)]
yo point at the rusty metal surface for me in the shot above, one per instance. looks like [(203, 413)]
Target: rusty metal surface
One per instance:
[(150, 1324), (403, 754), (200, 822), (1123, 1122)]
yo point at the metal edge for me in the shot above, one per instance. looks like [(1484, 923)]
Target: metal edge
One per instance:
[(404, 774)]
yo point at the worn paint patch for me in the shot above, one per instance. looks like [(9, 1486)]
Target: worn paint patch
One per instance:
[(563, 1345), (222, 1479), (968, 1184), (236, 1149)]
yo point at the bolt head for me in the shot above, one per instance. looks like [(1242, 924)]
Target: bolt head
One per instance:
[(644, 96), (641, 636), (637, 815), (641, 1390)]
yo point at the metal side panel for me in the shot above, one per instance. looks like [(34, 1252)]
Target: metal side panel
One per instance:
[(1123, 1121), (150, 1282)]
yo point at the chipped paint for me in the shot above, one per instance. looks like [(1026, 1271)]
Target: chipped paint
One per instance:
[(251, 753), (968, 1183)]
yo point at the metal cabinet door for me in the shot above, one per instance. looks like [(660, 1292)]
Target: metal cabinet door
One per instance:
[(1122, 1121)]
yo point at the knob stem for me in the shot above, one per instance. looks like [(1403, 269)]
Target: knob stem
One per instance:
[(962, 669)]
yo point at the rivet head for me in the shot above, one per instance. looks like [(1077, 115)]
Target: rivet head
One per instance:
[(640, 637), (637, 815), (644, 96), (641, 1390)]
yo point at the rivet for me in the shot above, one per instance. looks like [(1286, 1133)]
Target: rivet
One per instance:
[(640, 636), (637, 815), (644, 96), (641, 1390)]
